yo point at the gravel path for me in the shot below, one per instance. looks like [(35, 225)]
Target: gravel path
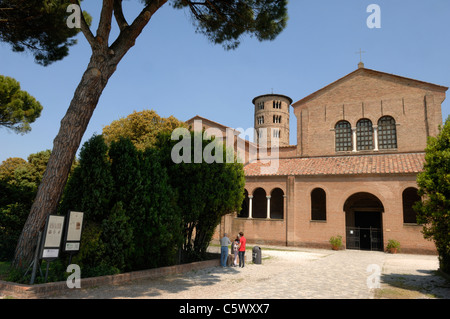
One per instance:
[(288, 273)]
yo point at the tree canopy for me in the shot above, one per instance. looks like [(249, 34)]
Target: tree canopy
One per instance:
[(19, 181), (17, 108), (18, 172), (38, 26), (224, 22), (142, 128)]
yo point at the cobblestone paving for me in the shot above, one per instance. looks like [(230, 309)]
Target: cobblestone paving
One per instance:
[(326, 275), (294, 273)]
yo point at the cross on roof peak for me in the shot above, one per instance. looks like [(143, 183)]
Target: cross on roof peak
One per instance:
[(360, 64), (360, 52)]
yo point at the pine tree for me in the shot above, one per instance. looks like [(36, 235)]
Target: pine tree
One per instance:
[(18, 109), (222, 21)]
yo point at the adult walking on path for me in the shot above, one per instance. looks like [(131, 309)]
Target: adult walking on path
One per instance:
[(224, 242)]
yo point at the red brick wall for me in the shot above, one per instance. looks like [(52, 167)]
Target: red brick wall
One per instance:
[(297, 229), (415, 108)]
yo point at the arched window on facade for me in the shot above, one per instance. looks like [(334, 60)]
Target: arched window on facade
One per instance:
[(387, 133), (410, 197), (277, 203), (318, 204), (364, 135), (343, 133)]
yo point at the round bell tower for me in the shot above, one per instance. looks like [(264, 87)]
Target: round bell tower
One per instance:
[(272, 120)]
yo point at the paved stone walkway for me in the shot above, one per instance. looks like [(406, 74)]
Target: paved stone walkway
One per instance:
[(287, 273)]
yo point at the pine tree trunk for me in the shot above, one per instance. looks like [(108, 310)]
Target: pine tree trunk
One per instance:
[(102, 65), (65, 146)]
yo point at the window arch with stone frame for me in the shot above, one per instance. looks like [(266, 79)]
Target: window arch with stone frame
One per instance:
[(343, 136), (364, 135), (387, 133), (318, 204)]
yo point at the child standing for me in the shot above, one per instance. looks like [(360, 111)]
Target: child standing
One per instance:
[(236, 250)]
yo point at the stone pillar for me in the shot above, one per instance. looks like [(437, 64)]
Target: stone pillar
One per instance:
[(268, 207), (375, 137), (354, 139), (250, 206), (290, 209)]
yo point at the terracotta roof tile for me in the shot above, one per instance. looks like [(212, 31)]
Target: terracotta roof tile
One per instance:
[(341, 165)]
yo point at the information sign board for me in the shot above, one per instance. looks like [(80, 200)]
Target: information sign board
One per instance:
[(74, 226), (52, 237)]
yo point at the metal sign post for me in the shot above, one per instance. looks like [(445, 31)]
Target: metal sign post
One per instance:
[(35, 261), (52, 240)]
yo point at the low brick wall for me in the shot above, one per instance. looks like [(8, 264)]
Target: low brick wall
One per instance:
[(53, 288)]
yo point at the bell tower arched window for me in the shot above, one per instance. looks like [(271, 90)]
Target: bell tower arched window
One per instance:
[(277, 119), (260, 119)]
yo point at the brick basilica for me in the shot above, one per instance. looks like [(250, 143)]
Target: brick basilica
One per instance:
[(360, 145)]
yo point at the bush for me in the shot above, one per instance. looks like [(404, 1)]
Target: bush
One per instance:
[(205, 191), (130, 215), (12, 219), (15, 205), (117, 236)]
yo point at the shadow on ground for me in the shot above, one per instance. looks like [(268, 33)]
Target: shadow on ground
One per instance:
[(152, 288), (426, 284)]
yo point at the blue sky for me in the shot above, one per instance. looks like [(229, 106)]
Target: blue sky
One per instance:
[(176, 71)]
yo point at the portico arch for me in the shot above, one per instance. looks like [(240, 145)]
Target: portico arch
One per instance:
[(259, 203), (245, 208), (277, 203)]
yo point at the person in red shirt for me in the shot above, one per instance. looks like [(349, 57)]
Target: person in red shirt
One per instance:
[(242, 242)]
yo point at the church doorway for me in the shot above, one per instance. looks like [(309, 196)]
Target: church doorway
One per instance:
[(364, 222)]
